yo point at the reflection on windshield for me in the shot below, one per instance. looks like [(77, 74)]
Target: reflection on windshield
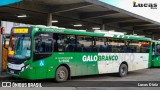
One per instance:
[(20, 46)]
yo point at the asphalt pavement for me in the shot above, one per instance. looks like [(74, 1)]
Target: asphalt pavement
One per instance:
[(98, 82)]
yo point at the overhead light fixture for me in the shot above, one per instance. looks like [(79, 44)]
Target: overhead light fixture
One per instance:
[(22, 16), (54, 21), (96, 28), (77, 25)]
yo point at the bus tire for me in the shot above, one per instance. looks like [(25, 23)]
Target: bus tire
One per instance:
[(61, 74), (123, 70)]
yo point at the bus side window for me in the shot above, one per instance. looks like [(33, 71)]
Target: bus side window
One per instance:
[(157, 49), (134, 46), (122, 45), (64, 43), (43, 43), (100, 44), (114, 45), (84, 44), (109, 45)]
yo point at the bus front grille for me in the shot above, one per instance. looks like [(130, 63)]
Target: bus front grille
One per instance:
[(12, 71)]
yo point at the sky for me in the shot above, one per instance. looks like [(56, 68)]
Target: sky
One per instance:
[(153, 14)]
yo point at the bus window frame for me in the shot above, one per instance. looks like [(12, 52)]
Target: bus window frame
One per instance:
[(65, 34), (42, 55), (92, 43)]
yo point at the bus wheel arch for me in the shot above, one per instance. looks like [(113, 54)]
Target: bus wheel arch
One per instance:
[(66, 68), (123, 69)]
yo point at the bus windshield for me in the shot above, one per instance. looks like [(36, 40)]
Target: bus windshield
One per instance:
[(20, 47)]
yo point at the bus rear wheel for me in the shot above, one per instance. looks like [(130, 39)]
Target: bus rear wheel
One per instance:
[(123, 70), (61, 74)]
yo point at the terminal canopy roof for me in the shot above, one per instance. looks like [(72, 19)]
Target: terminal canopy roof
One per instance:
[(89, 13)]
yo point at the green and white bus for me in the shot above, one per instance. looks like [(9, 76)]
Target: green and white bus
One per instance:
[(156, 53), (39, 52)]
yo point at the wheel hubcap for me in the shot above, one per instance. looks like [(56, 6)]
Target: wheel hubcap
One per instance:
[(61, 75), (123, 70)]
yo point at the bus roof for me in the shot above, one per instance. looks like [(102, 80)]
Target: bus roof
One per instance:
[(82, 32), (156, 41)]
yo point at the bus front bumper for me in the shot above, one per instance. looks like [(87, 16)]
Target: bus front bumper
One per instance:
[(26, 74)]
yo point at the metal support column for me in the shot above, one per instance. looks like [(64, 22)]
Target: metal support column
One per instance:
[(133, 32), (152, 36), (0, 50), (49, 20), (103, 27)]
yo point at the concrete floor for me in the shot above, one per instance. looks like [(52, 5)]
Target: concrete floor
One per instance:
[(150, 75)]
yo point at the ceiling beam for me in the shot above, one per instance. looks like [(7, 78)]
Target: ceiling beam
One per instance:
[(146, 27), (156, 33), (130, 24), (116, 20), (30, 6), (87, 15), (105, 5), (69, 7), (26, 21), (152, 30), (71, 23), (72, 27)]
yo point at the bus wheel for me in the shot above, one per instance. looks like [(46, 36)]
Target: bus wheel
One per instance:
[(123, 70), (61, 74)]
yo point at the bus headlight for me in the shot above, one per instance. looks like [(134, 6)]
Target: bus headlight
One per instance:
[(22, 69), (27, 66)]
